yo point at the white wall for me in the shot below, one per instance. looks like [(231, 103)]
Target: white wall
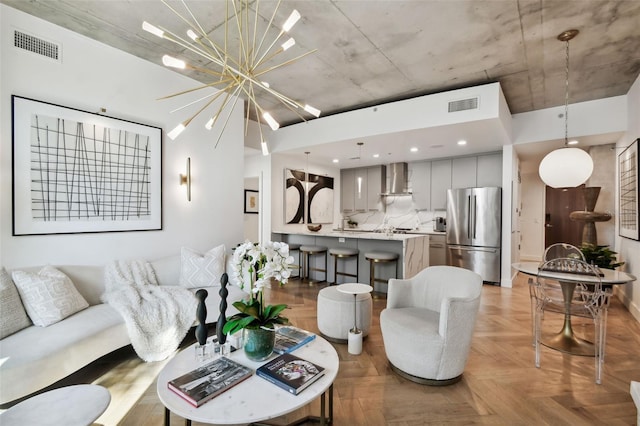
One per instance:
[(532, 217), (93, 76), (629, 250)]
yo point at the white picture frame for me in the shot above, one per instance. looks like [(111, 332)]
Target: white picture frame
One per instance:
[(80, 172)]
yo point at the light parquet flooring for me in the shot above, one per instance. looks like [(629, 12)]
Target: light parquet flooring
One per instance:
[(500, 385)]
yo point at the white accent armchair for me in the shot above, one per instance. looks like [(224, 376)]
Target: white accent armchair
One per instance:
[(428, 323)]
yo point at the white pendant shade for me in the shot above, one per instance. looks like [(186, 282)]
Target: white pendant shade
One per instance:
[(565, 168)]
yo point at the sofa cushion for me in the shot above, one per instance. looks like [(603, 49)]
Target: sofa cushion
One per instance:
[(48, 296), (201, 270), (36, 357), (14, 318)]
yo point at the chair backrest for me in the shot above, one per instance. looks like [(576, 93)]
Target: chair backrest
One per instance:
[(551, 288), (439, 282), (562, 250)]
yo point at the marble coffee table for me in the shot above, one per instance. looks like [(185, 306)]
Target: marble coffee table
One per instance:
[(255, 399), (77, 405)]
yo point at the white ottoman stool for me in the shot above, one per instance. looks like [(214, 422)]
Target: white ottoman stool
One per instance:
[(335, 314)]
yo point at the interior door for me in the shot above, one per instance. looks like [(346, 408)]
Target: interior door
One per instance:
[(559, 203)]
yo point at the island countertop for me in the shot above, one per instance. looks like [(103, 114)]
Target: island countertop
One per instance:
[(362, 235)]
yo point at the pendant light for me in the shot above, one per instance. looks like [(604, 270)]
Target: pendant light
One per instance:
[(566, 167)]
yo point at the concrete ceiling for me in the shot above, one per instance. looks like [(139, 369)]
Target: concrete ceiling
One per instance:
[(373, 52)]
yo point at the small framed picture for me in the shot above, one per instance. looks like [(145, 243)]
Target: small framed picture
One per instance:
[(251, 201)]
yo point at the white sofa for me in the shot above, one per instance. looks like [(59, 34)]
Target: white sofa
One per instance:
[(36, 357)]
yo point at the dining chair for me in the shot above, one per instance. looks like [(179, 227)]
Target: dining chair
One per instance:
[(576, 291), (562, 250)]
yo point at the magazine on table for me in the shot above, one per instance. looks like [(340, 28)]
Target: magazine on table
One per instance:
[(290, 372), (290, 338), (206, 382)]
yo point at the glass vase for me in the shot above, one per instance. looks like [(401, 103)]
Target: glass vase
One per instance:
[(258, 343)]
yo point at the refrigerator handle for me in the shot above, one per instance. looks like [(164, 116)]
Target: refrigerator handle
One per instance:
[(469, 218), (475, 213)]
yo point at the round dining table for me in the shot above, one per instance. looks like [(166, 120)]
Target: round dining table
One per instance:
[(566, 340)]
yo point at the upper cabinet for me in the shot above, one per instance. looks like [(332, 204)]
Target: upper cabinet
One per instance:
[(440, 183), (347, 190), (463, 172), (361, 188), (489, 170), (420, 178)]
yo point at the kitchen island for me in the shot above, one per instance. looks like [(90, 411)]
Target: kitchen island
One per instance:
[(412, 249)]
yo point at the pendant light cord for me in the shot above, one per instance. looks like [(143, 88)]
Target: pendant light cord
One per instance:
[(566, 98)]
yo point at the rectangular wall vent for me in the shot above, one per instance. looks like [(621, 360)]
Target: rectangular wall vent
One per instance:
[(463, 104), (36, 45)]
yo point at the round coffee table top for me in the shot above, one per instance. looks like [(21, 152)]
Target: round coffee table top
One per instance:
[(77, 405), (354, 288), (254, 399)]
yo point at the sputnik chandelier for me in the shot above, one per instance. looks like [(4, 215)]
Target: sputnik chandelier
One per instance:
[(238, 64)]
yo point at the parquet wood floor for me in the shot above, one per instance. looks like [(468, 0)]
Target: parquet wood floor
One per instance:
[(500, 385)]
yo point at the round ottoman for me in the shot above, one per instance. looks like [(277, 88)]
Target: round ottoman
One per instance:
[(335, 314)]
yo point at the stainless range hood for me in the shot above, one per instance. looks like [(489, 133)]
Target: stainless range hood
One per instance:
[(397, 179)]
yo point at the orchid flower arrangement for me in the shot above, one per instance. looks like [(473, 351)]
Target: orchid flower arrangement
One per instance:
[(258, 264)]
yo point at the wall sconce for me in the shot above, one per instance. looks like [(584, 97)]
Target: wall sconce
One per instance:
[(186, 179)]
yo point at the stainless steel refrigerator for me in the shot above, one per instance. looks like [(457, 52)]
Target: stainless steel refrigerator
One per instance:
[(474, 230)]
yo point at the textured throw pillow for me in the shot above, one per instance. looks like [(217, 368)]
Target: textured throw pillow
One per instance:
[(13, 317), (201, 270), (48, 296)]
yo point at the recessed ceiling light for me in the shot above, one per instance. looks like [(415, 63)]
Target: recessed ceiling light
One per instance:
[(376, 155), (414, 149), (573, 142), (335, 160), (462, 142)]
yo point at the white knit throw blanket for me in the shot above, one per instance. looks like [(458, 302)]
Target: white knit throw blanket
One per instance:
[(157, 317)]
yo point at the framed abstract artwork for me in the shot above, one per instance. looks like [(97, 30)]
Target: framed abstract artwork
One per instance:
[(628, 166), (251, 201), (308, 197), (75, 171)]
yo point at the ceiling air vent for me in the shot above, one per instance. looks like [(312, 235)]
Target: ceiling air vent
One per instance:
[(36, 45), (463, 104)]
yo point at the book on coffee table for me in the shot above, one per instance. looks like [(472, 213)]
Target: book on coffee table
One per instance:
[(290, 372), (290, 338), (210, 380)]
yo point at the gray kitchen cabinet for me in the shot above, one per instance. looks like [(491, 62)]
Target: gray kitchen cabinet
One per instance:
[(375, 186), (420, 178), (440, 183), (437, 250), (360, 192), (489, 170), (347, 190), (463, 172)]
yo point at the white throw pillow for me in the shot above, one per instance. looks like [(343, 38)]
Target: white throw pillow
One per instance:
[(201, 270), (13, 317), (48, 296)]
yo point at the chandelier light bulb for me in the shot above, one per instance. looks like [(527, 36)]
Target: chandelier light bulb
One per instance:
[(176, 131), (566, 168), (271, 121), (287, 44), (291, 21), (192, 35), (265, 148), (170, 61), (209, 124), (152, 29), (311, 110)]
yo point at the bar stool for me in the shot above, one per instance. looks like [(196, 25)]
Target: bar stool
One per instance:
[(379, 257), (295, 247), (343, 253), (307, 252)]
